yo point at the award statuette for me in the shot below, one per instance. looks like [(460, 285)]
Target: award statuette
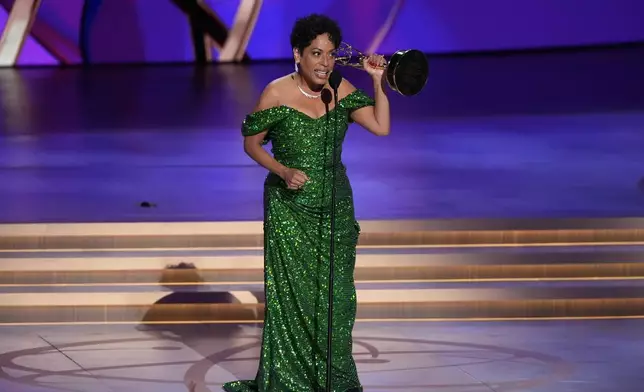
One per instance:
[(406, 71)]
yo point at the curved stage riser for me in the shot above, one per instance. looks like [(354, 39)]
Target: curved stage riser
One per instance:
[(405, 271)]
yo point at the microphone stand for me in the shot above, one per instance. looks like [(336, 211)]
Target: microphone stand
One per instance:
[(326, 98), (334, 81)]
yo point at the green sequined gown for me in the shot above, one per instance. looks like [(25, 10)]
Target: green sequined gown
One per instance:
[(296, 255)]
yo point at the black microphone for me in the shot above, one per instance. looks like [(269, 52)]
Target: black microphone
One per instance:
[(326, 97), (334, 81)]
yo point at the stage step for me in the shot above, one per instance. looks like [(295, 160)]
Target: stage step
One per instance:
[(159, 273), (396, 271), (395, 302), (216, 267), (249, 235), (117, 260)]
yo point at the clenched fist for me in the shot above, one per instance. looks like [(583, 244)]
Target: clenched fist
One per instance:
[(294, 178)]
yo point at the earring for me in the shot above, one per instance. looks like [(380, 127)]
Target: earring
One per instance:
[(296, 69)]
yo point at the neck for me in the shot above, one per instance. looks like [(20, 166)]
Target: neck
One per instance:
[(315, 88)]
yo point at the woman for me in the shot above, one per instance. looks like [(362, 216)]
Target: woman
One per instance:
[(297, 204)]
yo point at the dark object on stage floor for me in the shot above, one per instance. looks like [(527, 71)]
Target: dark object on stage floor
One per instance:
[(406, 70), (147, 204)]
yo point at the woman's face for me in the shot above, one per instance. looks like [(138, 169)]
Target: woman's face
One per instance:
[(317, 60)]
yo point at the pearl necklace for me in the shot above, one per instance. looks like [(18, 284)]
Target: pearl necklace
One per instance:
[(307, 94)]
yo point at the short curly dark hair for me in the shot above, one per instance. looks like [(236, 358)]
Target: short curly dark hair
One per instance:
[(306, 29)]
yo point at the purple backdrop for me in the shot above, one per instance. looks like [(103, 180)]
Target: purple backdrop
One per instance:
[(157, 31)]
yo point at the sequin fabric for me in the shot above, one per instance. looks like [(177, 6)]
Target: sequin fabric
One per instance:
[(296, 254)]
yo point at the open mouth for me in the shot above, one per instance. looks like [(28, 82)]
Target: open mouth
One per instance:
[(321, 74)]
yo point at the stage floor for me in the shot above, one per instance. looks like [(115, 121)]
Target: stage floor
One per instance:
[(521, 136), (589, 356)]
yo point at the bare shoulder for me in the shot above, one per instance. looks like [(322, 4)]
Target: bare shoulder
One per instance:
[(273, 93), (346, 88)]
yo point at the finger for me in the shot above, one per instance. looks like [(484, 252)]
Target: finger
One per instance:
[(291, 183), (306, 178), (297, 182), (301, 177)]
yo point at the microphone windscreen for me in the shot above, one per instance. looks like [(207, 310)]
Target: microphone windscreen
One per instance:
[(335, 79), (326, 96)]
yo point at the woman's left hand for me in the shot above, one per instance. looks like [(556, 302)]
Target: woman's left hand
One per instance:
[(374, 65)]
